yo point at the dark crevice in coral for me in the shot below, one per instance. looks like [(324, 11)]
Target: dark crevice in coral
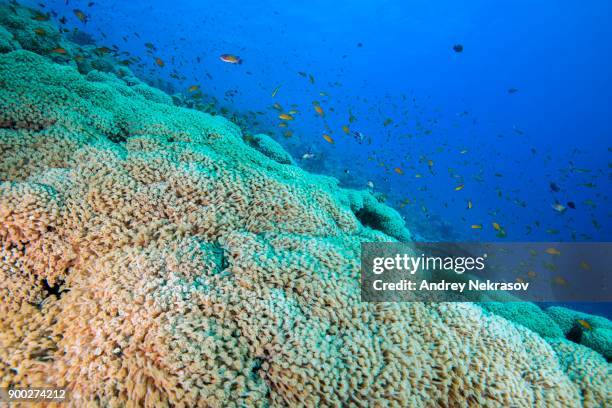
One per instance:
[(118, 138), (575, 334), (21, 249), (19, 125), (224, 262), (55, 290), (121, 136), (257, 363), (369, 219)]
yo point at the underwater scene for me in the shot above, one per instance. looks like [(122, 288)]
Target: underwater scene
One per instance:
[(191, 191)]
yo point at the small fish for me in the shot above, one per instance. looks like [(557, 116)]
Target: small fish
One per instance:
[(319, 109), (308, 156), (584, 324), (38, 16), (40, 31), (585, 266), (558, 207), (346, 129), (496, 226), (387, 122), (102, 50), (370, 184), (282, 124), (230, 59), (292, 112), (275, 91), (398, 170), (277, 106), (469, 204), (520, 280), (80, 15), (476, 226), (554, 187), (459, 187), (160, 62), (560, 280), (360, 137), (193, 88), (328, 138), (404, 203), (458, 48), (58, 50), (512, 91), (571, 205), (311, 78), (288, 134), (285, 116), (531, 274), (552, 251), (150, 46)]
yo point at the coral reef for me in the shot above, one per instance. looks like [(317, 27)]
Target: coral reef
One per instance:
[(526, 314), (591, 331), (150, 257), (270, 148)]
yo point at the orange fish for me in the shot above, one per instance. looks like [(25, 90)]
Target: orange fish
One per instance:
[(285, 116), (80, 15), (40, 31), (159, 62), (58, 50), (230, 59), (193, 88), (328, 138), (476, 226), (553, 251), (282, 124), (288, 133), (585, 324), (398, 170), (346, 129), (319, 110)]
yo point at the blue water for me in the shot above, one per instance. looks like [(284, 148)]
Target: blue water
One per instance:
[(525, 104)]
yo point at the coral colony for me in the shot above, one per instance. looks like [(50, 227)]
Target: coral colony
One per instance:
[(152, 257)]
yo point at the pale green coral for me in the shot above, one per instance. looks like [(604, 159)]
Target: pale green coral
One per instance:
[(21, 24), (271, 148), (597, 335), (7, 42), (526, 314)]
